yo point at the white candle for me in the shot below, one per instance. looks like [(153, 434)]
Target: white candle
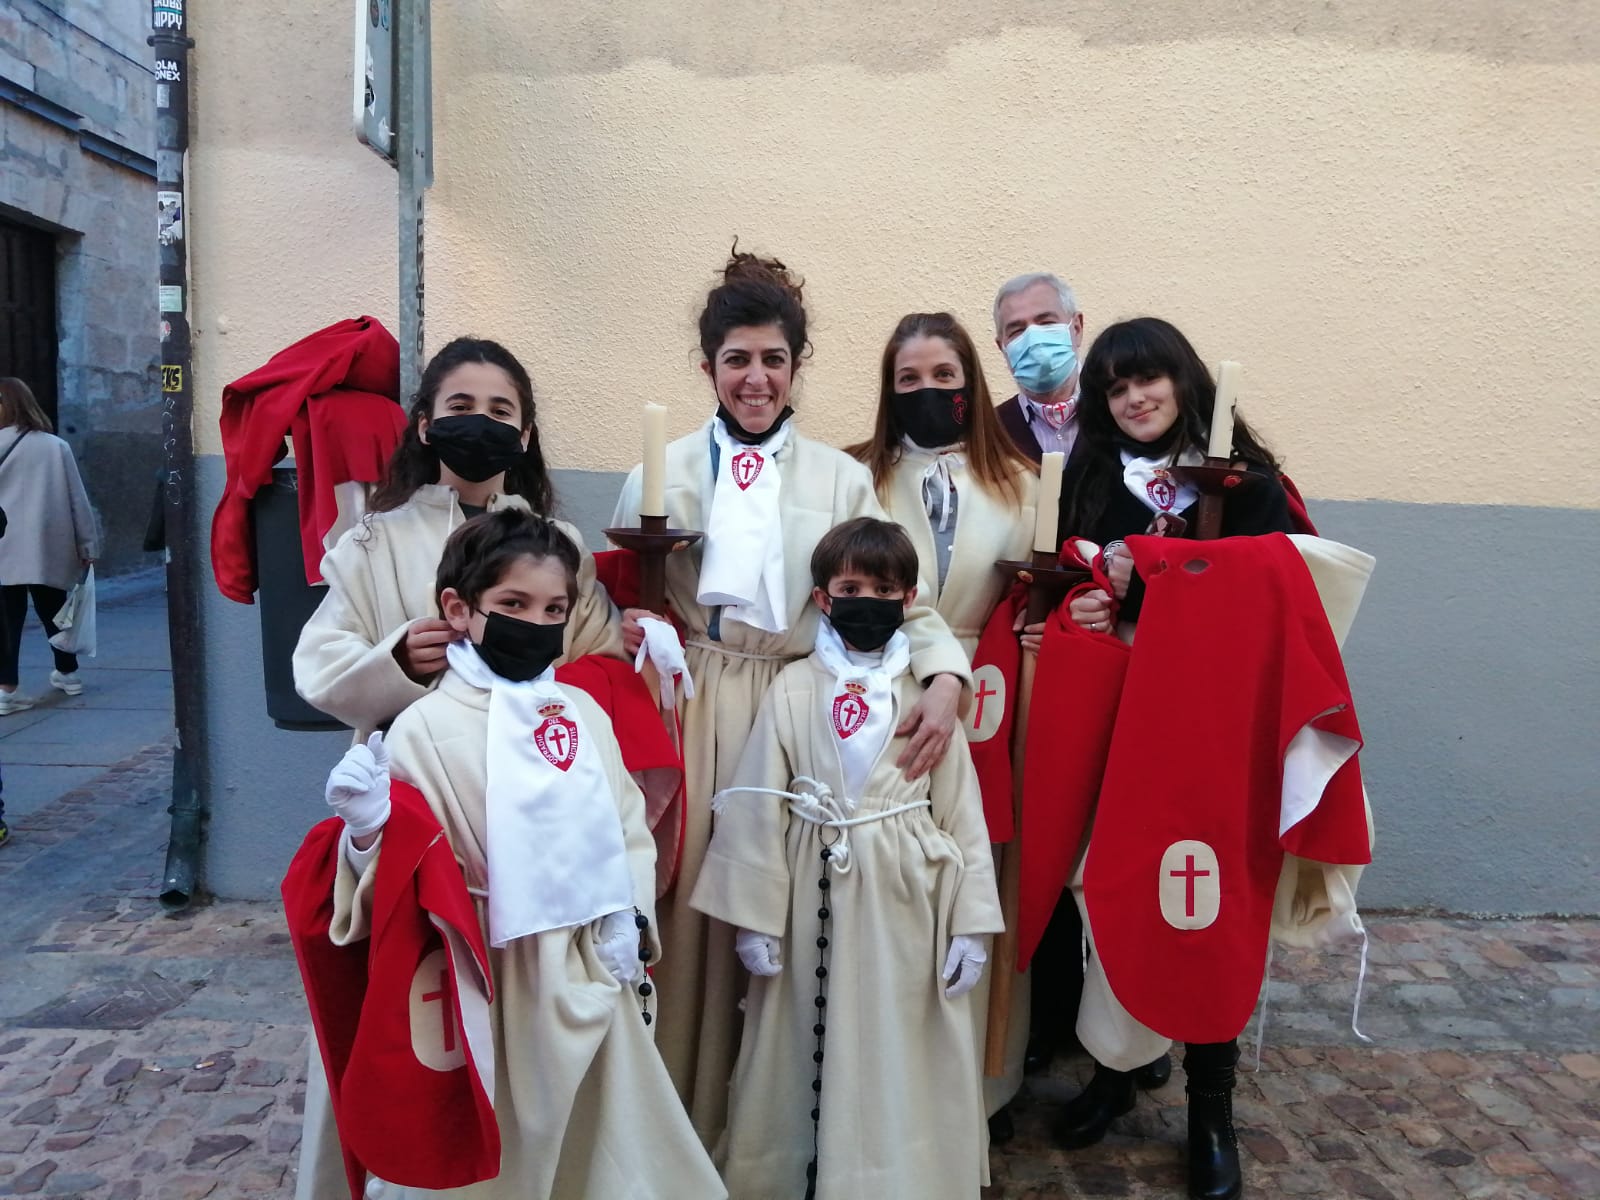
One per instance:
[(1221, 443), (653, 501), (1047, 514)]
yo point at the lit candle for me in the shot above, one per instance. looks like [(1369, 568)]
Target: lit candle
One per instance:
[(1046, 515), (1221, 443), (653, 501)]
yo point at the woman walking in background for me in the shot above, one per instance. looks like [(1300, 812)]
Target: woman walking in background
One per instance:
[(51, 536)]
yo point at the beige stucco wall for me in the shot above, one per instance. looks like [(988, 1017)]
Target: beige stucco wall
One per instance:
[(1386, 212)]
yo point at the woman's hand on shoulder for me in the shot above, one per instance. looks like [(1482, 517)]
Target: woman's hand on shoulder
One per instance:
[(421, 652), (632, 635), (930, 726)]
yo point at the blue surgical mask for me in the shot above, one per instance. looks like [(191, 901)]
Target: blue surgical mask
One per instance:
[(1042, 358)]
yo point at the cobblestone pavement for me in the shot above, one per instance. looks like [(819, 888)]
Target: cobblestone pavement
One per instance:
[(149, 1056)]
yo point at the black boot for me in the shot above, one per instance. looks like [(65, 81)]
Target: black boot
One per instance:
[(1213, 1148), (1086, 1117), (1154, 1074)]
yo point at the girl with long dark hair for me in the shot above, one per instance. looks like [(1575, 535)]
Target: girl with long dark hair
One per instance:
[(1146, 408), (471, 445)]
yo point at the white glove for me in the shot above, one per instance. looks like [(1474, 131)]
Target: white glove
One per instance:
[(758, 952), (616, 944), (964, 964), (665, 651), (358, 788)]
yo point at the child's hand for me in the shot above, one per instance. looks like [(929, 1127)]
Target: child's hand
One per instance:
[(632, 633), (421, 652), (616, 944), (964, 964), (758, 952), (358, 788)]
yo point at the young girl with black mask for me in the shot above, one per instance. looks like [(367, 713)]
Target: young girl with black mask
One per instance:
[(524, 777), (377, 641)]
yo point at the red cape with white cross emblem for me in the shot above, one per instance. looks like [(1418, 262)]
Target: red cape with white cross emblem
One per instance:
[(996, 668), (1236, 740), (408, 1097)]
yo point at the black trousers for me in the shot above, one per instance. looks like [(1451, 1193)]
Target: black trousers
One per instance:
[(1057, 979), (47, 602)]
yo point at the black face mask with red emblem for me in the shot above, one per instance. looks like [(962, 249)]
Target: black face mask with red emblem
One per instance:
[(933, 417)]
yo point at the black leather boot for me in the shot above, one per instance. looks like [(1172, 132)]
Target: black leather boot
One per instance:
[(1086, 1117), (1154, 1074), (1213, 1148)]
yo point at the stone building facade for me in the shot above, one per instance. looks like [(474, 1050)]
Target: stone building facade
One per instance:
[(78, 307)]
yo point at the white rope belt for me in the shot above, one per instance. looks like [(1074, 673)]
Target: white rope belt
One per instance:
[(819, 806), (719, 648)]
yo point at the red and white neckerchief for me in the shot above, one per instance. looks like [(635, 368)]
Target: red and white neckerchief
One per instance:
[(1057, 415), (859, 708), (555, 848), (1152, 483), (742, 569)]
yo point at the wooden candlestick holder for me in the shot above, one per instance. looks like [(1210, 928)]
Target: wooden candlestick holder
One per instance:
[(1047, 580), (1215, 479), (652, 541)]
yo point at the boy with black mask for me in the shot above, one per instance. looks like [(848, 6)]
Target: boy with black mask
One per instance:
[(525, 778), (864, 901)]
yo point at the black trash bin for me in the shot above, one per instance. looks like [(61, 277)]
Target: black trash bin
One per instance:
[(285, 599)]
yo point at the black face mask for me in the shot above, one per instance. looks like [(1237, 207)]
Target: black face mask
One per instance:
[(519, 650), (933, 417), (474, 446), (740, 434), (866, 622)]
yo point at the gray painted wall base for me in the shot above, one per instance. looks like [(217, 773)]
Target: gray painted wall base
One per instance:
[(1475, 664)]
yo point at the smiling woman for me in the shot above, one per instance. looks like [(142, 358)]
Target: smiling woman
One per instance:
[(764, 495)]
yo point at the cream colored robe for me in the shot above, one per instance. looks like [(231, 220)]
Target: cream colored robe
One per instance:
[(987, 530), (586, 1109), (380, 578), (1315, 904), (901, 1104), (702, 981)]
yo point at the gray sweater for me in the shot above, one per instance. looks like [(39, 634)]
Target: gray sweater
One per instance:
[(51, 527)]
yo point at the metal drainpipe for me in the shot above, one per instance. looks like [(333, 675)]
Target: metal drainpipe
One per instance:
[(188, 808)]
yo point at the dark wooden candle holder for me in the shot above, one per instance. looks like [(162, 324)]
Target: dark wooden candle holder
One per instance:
[(1215, 479), (1048, 581), (652, 541)]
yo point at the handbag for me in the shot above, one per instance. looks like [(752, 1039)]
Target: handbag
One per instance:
[(76, 620)]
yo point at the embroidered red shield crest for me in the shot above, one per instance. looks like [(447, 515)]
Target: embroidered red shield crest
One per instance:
[(1056, 414), (1161, 490), (849, 710), (959, 404), (746, 465), (557, 737)]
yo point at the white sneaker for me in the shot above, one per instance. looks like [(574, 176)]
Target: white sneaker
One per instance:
[(10, 702), (70, 684)]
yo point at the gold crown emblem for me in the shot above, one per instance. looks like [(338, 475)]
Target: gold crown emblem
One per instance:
[(552, 710), (855, 689)]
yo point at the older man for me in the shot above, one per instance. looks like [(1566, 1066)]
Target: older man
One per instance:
[(1039, 329)]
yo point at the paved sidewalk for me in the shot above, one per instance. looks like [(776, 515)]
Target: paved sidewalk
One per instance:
[(152, 1056)]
